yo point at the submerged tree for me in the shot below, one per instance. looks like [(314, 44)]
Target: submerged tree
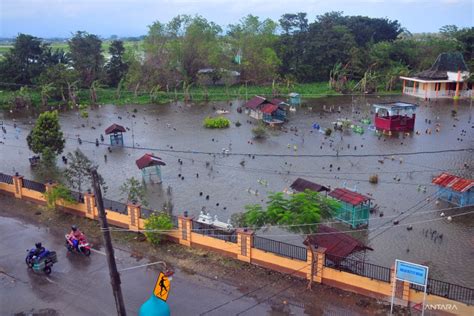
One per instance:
[(134, 191), (78, 172), (46, 137)]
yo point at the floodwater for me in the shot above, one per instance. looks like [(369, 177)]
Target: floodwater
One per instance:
[(165, 130)]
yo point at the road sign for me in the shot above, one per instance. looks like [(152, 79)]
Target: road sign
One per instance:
[(411, 272), (162, 287)]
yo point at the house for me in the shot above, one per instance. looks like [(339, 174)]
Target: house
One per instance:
[(270, 111), (447, 78), (454, 189), (354, 207), (300, 185)]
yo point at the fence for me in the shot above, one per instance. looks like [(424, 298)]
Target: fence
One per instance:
[(280, 248), (5, 178), (212, 231), (362, 268), (33, 185), (448, 290), (115, 206)]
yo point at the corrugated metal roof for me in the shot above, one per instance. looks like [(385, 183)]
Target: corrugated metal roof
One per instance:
[(348, 196), (301, 184), (255, 102), (269, 108), (148, 160), (115, 128), (453, 182)]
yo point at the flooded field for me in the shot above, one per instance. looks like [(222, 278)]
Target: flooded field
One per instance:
[(169, 130)]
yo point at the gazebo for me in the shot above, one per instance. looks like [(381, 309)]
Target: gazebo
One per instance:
[(295, 100), (395, 117), (354, 207), (150, 165), (116, 137), (455, 190)]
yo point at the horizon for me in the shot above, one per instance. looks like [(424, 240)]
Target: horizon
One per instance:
[(60, 19)]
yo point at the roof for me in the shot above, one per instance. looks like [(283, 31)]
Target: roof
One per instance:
[(255, 102), (453, 182), (269, 108), (395, 106), (148, 160), (348, 196), (338, 245), (294, 94), (278, 102), (115, 128), (452, 62), (301, 184)]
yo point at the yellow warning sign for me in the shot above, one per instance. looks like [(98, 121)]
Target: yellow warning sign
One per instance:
[(162, 287)]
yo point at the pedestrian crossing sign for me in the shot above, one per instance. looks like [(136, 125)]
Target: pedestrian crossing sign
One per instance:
[(162, 287)]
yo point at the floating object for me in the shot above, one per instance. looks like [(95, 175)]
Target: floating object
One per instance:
[(449, 218), (409, 227), (222, 112), (206, 218)]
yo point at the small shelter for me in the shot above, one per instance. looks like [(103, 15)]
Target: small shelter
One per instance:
[(339, 245), (300, 185), (395, 117), (295, 100), (150, 165), (447, 78), (270, 111), (116, 134), (454, 189), (354, 207)]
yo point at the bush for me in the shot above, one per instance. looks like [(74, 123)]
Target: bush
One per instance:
[(374, 179), (59, 192), (259, 132), (328, 132), (156, 223), (216, 122), (238, 124)]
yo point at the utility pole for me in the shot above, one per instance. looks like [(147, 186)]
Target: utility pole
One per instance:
[(109, 250)]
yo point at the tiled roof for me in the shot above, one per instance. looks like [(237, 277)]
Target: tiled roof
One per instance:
[(115, 128), (148, 160), (348, 196), (453, 182), (301, 184)]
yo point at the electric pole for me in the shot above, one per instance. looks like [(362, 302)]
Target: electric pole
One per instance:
[(109, 250)]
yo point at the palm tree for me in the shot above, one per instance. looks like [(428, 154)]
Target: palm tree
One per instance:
[(46, 90)]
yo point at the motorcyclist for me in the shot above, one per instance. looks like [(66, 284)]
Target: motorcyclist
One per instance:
[(75, 235), (39, 251)]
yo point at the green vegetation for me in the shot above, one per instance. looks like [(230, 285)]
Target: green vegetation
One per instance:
[(157, 222), (58, 193), (78, 172), (300, 211), (216, 122), (134, 191), (46, 137), (259, 132)]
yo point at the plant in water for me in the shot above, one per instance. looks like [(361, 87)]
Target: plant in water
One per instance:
[(155, 224), (259, 132), (328, 131), (374, 179), (216, 122), (56, 194), (134, 191)]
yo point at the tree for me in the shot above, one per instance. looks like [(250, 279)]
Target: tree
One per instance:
[(86, 56), (116, 68), (59, 77), (78, 172), (134, 191), (155, 225), (58, 192), (46, 136)]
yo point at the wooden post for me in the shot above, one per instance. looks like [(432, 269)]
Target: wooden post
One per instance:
[(403, 88), (457, 84), (134, 214), (244, 243), (185, 227), (91, 210), (18, 183)]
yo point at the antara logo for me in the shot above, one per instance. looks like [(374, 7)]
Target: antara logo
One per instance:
[(437, 307)]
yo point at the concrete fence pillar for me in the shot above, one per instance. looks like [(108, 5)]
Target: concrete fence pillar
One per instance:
[(309, 260), (244, 243), (134, 214), (320, 254), (185, 227), (18, 183), (91, 209)]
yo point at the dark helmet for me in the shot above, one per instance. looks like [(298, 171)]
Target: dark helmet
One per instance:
[(74, 228), (38, 245)]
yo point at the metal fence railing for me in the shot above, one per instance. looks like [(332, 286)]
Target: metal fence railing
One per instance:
[(115, 206), (358, 267), (78, 197), (448, 290), (280, 248), (33, 185), (212, 231), (5, 178)]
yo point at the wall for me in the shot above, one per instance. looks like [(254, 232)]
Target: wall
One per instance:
[(243, 250)]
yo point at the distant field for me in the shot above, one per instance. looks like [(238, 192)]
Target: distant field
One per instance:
[(136, 45)]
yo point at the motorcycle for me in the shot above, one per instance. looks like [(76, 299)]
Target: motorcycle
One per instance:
[(83, 246), (45, 263)]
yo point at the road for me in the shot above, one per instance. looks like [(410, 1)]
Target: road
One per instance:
[(81, 286)]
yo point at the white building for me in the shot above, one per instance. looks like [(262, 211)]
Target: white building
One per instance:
[(447, 78)]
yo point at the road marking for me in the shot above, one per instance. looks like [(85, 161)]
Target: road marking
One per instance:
[(51, 281), (141, 266), (98, 251)]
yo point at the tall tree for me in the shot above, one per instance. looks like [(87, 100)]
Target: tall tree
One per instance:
[(86, 56), (116, 68), (78, 172), (46, 137)]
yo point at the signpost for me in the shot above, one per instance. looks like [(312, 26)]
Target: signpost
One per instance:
[(156, 305), (412, 273), (162, 287)]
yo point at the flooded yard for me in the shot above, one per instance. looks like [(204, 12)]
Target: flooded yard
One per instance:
[(404, 191)]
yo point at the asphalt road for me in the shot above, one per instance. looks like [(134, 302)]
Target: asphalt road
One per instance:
[(81, 286)]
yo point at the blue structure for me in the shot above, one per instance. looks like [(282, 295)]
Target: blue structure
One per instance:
[(295, 99), (354, 208), (154, 307), (454, 189), (150, 165), (116, 137)]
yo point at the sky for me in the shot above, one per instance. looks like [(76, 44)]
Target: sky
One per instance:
[(60, 18)]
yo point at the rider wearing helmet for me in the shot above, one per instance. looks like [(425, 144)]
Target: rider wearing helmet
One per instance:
[(75, 235), (39, 251)]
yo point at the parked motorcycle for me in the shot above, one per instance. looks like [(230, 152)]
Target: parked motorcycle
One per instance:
[(43, 263), (83, 246)]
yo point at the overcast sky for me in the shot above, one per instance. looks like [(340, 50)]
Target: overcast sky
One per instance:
[(50, 18)]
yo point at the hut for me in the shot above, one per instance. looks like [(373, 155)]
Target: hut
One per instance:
[(339, 246), (300, 185), (454, 189), (116, 134), (354, 207), (269, 111), (150, 165), (395, 117), (295, 100), (447, 78)]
